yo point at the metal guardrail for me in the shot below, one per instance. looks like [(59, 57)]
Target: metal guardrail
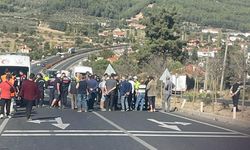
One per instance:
[(81, 51)]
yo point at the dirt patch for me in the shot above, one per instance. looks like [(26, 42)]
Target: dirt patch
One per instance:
[(218, 109), (45, 29)]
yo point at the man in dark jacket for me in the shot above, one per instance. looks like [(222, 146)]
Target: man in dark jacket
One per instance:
[(29, 92), (64, 88), (92, 89), (125, 89), (41, 86), (235, 93)]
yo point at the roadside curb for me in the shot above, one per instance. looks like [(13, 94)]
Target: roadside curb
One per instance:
[(214, 117)]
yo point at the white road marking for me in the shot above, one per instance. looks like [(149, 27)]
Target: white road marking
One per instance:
[(124, 134), (208, 124), (58, 123), (201, 136), (65, 134), (116, 131), (3, 125), (161, 124), (182, 132), (62, 131), (147, 145)]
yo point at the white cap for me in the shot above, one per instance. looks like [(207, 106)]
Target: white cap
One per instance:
[(58, 75), (135, 77)]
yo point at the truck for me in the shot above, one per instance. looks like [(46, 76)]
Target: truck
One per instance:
[(15, 63), (81, 69), (180, 82), (71, 50)]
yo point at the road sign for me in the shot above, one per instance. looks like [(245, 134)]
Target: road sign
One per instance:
[(110, 70), (165, 75), (58, 123), (170, 125)]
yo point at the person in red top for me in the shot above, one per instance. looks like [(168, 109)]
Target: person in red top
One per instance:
[(5, 90), (29, 93)]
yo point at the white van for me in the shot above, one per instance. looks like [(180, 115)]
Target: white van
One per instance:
[(81, 69), (15, 63)]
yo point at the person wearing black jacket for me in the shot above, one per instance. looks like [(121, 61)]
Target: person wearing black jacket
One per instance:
[(235, 93), (41, 86)]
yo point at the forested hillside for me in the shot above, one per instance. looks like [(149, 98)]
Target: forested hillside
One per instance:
[(232, 14)]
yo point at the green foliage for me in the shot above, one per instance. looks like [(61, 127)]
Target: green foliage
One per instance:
[(99, 66), (163, 35), (218, 13), (194, 56), (127, 65), (78, 41), (46, 46), (106, 53), (4, 29), (61, 26)]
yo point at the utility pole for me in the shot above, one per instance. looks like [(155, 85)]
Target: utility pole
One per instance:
[(244, 77), (224, 66), (207, 61)]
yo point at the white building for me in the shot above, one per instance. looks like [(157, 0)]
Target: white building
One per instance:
[(206, 54)]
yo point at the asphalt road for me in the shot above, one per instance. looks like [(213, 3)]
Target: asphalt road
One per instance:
[(115, 131), (67, 129)]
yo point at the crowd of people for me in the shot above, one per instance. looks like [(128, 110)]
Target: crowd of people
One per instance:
[(14, 87), (109, 93)]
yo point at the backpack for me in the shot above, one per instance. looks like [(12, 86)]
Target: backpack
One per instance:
[(12, 89)]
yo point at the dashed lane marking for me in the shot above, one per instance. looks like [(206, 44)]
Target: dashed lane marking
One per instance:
[(147, 145), (3, 125), (204, 123)]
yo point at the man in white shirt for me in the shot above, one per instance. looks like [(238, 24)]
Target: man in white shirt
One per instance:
[(131, 96)]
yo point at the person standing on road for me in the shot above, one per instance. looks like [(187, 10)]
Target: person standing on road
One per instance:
[(110, 88), (152, 93), (103, 92), (131, 95), (5, 98), (51, 87), (41, 86), (125, 89), (73, 93), (92, 89), (57, 89), (169, 85), (146, 94), (235, 94), (82, 94), (29, 92), (64, 89), (140, 92)]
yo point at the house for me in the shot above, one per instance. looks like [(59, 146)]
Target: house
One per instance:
[(211, 30), (234, 38), (137, 26), (206, 52), (104, 33), (24, 49), (191, 70), (114, 58), (193, 43), (117, 33)]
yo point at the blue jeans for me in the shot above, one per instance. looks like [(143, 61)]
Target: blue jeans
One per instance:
[(82, 102), (140, 100), (124, 101)]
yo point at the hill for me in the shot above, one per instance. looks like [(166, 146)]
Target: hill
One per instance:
[(217, 13)]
